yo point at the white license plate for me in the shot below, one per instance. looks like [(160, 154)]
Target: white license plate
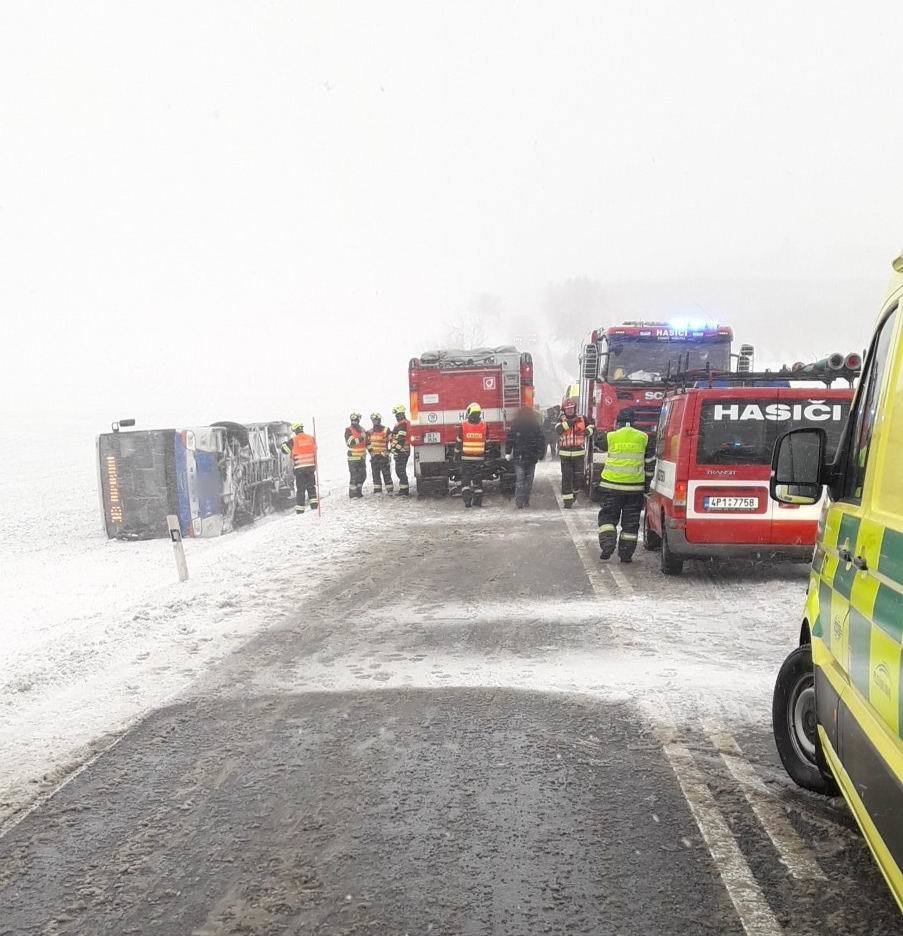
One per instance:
[(430, 438), (730, 503)]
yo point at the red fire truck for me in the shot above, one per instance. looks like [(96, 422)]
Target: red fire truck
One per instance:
[(442, 384), (709, 496), (628, 365)]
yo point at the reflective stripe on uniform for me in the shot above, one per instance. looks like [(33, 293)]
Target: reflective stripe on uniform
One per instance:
[(614, 486), (607, 528), (565, 453), (629, 536)]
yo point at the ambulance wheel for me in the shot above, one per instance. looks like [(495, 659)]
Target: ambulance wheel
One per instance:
[(651, 540), (793, 720), (671, 565)]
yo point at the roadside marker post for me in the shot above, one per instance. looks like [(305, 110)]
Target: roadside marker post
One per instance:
[(317, 468), (175, 534)]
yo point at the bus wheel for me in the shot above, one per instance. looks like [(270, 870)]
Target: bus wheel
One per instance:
[(651, 539), (793, 720), (671, 565)]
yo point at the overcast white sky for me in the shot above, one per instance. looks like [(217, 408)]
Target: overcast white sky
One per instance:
[(239, 208)]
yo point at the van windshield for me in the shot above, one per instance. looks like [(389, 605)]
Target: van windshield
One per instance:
[(743, 432), (647, 361)]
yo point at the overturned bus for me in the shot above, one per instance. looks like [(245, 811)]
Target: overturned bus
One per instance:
[(213, 478)]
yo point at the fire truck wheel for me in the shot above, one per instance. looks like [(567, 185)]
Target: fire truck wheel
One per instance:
[(671, 565), (793, 720), (651, 540)]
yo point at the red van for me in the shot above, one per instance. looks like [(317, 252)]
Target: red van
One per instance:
[(709, 496)]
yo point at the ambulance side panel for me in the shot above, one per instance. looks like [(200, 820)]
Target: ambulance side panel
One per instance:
[(855, 608)]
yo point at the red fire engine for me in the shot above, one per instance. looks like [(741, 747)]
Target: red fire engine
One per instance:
[(627, 366), (442, 384), (709, 496)]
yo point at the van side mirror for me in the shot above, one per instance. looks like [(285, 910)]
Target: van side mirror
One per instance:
[(798, 466)]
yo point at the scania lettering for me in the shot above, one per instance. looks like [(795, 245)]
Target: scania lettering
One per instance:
[(442, 384)]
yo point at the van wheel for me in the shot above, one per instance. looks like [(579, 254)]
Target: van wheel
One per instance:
[(793, 720), (671, 565), (651, 540)]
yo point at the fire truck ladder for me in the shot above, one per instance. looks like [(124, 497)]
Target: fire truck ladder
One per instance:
[(511, 391)]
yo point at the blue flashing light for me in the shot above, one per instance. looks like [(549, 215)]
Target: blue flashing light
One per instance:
[(693, 325)]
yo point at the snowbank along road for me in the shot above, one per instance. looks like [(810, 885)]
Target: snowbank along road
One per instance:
[(462, 724)]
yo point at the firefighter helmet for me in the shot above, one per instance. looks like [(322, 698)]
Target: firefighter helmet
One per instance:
[(298, 427), (398, 410), (376, 417), (627, 416), (569, 407), (355, 416), (473, 410)]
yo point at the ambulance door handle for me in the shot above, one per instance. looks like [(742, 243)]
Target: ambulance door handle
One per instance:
[(860, 563), (845, 554)]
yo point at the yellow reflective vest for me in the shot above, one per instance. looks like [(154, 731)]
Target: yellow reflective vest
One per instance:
[(625, 466)]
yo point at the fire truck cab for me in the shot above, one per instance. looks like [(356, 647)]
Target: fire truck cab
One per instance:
[(628, 365), (709, 495), (441, 385)]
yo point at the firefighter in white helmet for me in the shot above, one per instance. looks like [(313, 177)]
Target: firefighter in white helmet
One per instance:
[(303, 449), (471, 445)]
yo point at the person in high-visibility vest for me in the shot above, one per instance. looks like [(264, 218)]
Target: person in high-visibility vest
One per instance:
[(629, 465), (471, 445), (378, 447), (303, 449), (573, 431), (356, 443), (400, 447)]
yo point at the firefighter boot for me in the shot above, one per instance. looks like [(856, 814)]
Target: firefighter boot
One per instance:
[(626, 546), (609, 514), (467, 495), (299, 508)]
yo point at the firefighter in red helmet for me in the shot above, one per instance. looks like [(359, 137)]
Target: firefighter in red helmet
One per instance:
[(573, 432)]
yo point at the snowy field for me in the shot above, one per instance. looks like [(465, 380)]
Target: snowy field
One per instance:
[(95, 632)]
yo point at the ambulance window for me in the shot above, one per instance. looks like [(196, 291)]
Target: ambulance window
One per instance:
[(863, 419)]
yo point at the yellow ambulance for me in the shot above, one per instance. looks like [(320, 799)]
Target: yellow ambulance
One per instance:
[(838, 705)]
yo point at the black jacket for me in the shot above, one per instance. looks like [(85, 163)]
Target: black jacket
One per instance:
[(526, 440)]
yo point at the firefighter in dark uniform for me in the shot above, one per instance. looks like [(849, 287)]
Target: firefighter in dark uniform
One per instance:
[(303, 449), (572, 431), (378, 447), (629, 465), (356, 443), (400, 447), (471, 445)]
